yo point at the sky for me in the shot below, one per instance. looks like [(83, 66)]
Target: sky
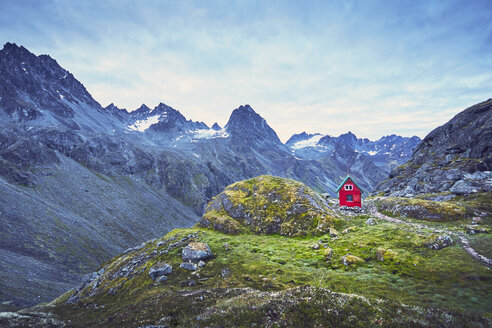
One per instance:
[(370, 67)]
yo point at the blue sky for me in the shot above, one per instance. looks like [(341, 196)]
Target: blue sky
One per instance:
[(371, 67)]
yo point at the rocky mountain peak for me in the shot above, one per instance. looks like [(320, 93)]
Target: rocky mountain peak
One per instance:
[(454, 157), (142, 110), (33, 86), (300, 137), (216, 127), (246, 124)]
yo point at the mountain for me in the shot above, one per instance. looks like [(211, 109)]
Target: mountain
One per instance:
[(386, 153), (36, 90), (455, 158), (99, 180)]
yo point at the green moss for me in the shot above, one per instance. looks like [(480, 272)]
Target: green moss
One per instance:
[(422, 209), (269, 205)]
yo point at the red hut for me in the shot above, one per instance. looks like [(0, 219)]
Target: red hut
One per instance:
[(349, 193)]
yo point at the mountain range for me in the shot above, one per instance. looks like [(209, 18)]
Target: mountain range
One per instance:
[(81, 182)]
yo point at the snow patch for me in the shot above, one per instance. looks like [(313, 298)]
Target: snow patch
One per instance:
[(209, 134), (311, 142), (142, 125)]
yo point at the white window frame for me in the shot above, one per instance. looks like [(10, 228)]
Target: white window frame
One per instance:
[(349, 187)]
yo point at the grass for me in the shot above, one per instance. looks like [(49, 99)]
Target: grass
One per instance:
[(410, 273)]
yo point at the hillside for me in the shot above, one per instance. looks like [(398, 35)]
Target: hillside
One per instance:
[(455, 158), (366, 271)]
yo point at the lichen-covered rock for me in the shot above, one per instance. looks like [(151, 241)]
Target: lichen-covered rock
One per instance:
[(195, 252), (328, 253), (269, 205), (385, 254), (348, 230), (421, 209), (351, 260), (371, 222), (160, 269), (438, 241), (474, 229)]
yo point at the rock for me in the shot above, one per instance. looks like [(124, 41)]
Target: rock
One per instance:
[(438, 242), (463, 187), (349, 229), (474, 229), (160, 269), (196, 251), (408, 192), (225, 273), (201, 264), (189, 283), (371, 222), (328, 253), (189, 266), (315, 246), (351, 260), (454, 157), (161, 278), (333, 232), (226, 247), (385, 254), (476, 220)]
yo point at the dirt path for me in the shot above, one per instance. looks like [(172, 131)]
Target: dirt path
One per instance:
[(464, 241)]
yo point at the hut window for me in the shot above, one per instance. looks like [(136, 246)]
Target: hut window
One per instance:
[(350, 198), (349, 187)]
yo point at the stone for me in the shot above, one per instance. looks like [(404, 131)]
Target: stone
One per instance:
[(385, 254), (349, 229), (201, 264), (315, 246), (189, 283), (196, 251), (161, 278), (474, 229), (333, 232), (160, 269), (351, 260), (189, 266), (438, 242), (371, 222), (225, 273), (328, 253), (463, 187)]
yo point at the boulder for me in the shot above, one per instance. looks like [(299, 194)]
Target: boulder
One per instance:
[(189, 266), (351, 260), (349, 229), (371, 222), (160, 269), (328, 253), (196, 251), (438, 242), (474, 229)]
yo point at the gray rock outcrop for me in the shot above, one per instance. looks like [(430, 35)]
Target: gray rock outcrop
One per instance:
[(455, 157)]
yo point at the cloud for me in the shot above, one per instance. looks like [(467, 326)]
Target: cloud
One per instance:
[(374, 68)]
